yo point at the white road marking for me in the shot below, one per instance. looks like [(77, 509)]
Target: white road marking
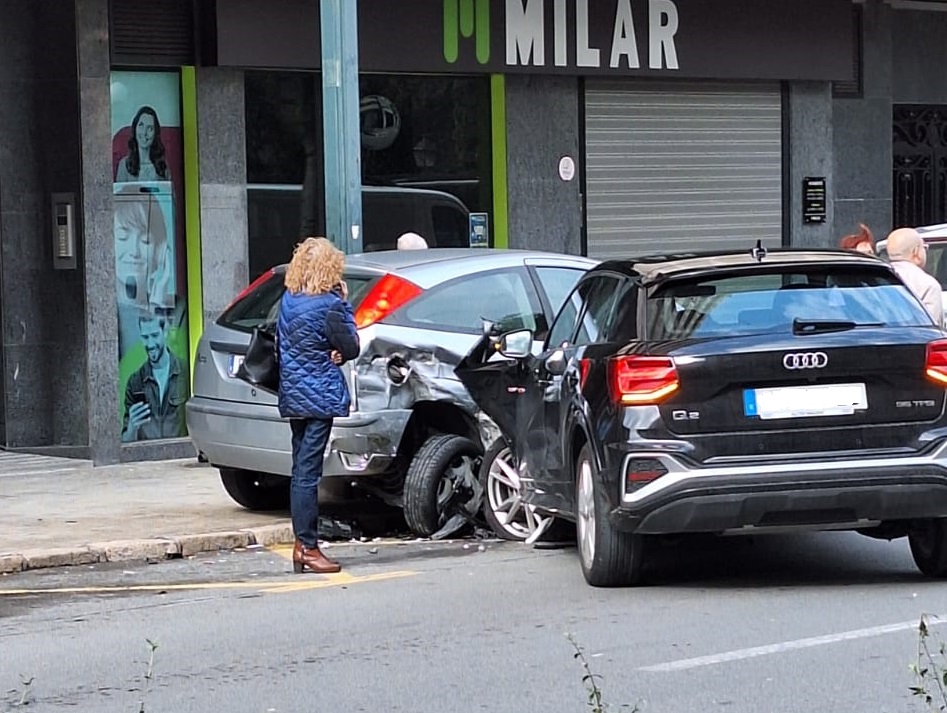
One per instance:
[(740, 654)]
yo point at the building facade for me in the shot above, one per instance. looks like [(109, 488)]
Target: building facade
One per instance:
[(156, 157)]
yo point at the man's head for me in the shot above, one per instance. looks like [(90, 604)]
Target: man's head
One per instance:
[(906, 244), (152, 329), (411, 241)]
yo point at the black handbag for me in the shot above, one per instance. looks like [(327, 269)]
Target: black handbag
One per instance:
[(261, 364)]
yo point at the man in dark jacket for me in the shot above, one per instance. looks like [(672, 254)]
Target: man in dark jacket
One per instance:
[(315, 320)]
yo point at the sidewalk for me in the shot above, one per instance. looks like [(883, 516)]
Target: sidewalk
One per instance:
[(56, 512)]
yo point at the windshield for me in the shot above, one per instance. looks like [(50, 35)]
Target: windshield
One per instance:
[(260, 306), (755, 303)]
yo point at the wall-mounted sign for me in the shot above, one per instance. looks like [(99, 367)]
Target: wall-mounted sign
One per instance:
[(566, 168), (479, 230), (723, 39), (813, 200)]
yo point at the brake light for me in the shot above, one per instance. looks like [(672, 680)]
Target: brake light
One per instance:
[(389, 293), (642, 380), (935, 365), (251, 287)]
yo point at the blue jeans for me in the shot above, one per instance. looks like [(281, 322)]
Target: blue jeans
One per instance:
[(310, 437)]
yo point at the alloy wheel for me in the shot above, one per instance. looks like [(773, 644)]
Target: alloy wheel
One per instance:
[(585, 519), (505, 500)]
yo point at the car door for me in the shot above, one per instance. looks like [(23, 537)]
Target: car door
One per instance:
[(554, 282), (512, 392), (559, 375)]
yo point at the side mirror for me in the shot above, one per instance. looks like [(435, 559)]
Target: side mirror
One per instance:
[(556, 363), (516, 345)]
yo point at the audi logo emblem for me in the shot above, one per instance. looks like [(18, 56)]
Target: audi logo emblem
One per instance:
[(806, 360)]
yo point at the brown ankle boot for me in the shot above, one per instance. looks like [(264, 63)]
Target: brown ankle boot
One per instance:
[(313, 560)]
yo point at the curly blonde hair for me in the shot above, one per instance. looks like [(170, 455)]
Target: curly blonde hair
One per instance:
[(316, 267)]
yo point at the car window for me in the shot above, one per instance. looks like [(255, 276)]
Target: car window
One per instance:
[(384, 218), (563, 327), (501, 296), (451, 227), (598, 297), (557, 283), (937, 262), (260, 305), (766, 302), (624, 322)]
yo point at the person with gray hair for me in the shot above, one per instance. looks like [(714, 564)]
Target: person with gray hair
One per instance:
[(908, 254), (412, 241)]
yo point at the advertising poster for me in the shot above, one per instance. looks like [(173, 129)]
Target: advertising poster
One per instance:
[(150, 270)]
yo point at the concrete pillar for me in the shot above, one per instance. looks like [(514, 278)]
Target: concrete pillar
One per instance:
[(223, 168), (97, 231), (545, 212), (810, 142)]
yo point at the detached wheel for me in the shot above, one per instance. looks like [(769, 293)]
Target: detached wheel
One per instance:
[(928, 541), (609, 557), (256, 491), (441, 483), (503, 507)]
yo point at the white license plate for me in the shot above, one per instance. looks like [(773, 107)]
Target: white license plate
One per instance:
[(235, 361), (805, 401)]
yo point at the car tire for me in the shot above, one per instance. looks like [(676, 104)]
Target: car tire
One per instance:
[(256, 491), (928, 541), (431, 478), (503, 509), (609, 557)]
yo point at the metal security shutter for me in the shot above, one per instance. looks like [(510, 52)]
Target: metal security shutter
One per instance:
[(679, 167), (152, 33)]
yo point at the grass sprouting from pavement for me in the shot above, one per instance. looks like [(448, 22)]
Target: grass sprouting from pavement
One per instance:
[(591, 680), (930, 669)]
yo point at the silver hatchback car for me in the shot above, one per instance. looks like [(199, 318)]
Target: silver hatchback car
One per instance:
[(414, 437)]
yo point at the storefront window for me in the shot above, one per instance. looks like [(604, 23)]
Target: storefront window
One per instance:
[(150, 267), (428, 132), (426, 151)]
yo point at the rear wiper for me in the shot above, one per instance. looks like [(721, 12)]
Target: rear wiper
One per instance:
[(821, 326)]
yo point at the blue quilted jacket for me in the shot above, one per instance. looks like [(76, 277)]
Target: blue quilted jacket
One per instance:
[(309, 328)]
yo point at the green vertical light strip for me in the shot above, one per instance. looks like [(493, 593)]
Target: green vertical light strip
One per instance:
[(498, 133), (192, 212)]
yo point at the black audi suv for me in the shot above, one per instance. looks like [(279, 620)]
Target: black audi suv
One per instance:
[(728, 393)]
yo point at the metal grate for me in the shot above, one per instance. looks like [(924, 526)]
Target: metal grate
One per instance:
[(152, 33), (920, 164), (854, 88)]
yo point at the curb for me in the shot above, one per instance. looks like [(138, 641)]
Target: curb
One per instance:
[(150, 549)]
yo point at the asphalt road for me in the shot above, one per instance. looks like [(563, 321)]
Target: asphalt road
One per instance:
[(807, 623)]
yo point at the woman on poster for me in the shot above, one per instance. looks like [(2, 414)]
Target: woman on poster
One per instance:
[(145, 160)]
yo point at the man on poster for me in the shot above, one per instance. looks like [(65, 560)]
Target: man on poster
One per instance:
[(155, 394)]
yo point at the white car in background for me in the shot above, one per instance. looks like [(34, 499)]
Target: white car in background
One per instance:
[(936, 238)]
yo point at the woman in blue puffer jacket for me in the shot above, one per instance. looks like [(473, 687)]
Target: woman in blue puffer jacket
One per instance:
[(316, 334)]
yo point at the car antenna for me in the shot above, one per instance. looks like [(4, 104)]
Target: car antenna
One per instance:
[(759, 252)]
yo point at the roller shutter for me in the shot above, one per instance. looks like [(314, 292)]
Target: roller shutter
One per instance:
[(679, 167)]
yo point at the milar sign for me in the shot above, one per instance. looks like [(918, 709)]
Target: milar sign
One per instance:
[(527, 43)]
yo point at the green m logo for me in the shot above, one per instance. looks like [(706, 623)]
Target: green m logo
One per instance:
[(466, 18)]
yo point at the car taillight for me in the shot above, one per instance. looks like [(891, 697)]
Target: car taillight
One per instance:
[(641, 380), (935, 365), (388, 294), (251, 287)]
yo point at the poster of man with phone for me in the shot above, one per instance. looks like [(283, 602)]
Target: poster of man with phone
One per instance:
[(155, 394)]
